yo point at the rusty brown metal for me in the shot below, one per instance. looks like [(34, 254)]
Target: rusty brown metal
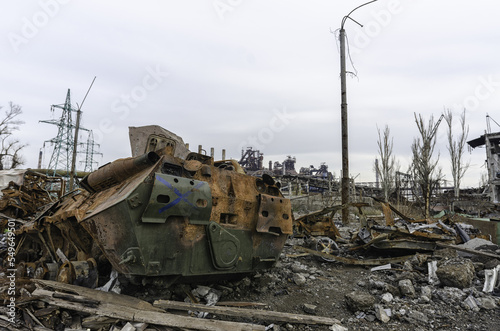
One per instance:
[(318, 223), (161, 215), (274, 215), (113, 173), (397, 212), (24, 200), (398, 231)]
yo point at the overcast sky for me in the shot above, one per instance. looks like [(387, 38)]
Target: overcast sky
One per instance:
[(262, 73)]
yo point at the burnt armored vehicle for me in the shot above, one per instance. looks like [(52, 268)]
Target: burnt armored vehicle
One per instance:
[(166, 213)]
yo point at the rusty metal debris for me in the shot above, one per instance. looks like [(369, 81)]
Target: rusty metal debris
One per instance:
[(318, 223), (398, 236), (24, 198)]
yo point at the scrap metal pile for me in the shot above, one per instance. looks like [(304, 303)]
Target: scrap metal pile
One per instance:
[(24, 198), (386, 240)]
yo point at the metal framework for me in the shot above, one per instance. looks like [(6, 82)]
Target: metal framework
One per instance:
[(491, 142), (64, 141), (62, 160), (90, 151)]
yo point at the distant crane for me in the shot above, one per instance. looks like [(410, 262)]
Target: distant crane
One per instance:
[(434, 129)]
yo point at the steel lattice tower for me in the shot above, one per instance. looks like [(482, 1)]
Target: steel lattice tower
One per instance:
[(64, 141), (90, 151)]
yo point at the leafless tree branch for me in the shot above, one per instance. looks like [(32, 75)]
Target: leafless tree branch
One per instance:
[(10, 148), (456, 148)]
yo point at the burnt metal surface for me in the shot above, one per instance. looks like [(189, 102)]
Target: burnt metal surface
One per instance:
[(318, 223), (150, 138), (113, 173), (160, 215), (274, 215)]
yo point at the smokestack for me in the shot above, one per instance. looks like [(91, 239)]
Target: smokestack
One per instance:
[(40, 159)]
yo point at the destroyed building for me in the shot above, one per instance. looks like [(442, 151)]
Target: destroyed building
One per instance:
[(491, 142)]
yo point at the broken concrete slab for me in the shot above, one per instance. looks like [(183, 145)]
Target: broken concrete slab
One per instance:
[(456, 272), (486, 302), (381, 314), (387, 297), (406, 288), (450, 295), (471, 303), (359, 301), (299, 279), (310, 309)]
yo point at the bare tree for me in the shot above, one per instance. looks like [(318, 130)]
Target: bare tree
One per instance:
[(456, 147), (387, 166), (423, 167), (10, 148)]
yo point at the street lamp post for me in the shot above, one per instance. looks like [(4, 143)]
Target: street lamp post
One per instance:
[(344, 123)]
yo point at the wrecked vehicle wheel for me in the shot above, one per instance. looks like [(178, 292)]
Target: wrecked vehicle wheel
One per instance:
[(328, 246)]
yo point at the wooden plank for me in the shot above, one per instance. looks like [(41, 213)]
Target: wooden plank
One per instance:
[(134, 314), (4, 323), (264, 315), (241, 303), (118, 299), (97, 321)]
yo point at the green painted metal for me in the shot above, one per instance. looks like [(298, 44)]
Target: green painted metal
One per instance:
[(224, 246), (177, 196), (157, 224)]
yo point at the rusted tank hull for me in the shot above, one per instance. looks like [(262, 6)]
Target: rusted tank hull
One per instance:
[(165, 216), (209, 221)]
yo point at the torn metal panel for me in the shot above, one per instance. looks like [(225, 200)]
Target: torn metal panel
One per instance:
[(318, 223), (402, 231), (173, 196), (273, 216), (151, 138), (491, 279)]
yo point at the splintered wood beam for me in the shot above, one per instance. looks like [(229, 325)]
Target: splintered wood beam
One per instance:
[(130, 313), (263, 315)]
